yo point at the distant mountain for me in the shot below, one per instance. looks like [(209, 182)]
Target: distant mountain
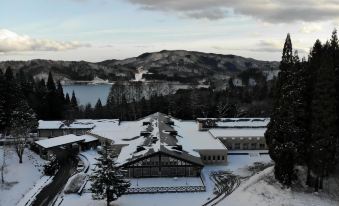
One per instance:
[(177, 65)]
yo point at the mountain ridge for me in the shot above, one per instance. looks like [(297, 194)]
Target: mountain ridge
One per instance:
[(171, 65)]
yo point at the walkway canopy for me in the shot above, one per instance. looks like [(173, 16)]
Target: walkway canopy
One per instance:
[(64, 141)]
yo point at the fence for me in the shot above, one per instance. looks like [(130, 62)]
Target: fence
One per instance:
[(145, 190)]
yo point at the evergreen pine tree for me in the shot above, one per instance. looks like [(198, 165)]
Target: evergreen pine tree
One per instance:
[(284, 129), (88, 113), (42, 108), (98, 110), (323, 126), (335, 54), (12, 92), (54, 100), (60, 101), (74, 101), (67, 99), (313, 65), (50, 83), (2, 103), (108, 182)]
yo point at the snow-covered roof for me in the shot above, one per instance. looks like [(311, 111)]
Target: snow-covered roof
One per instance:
[(155, 134), (88, 138), (238, 122), (238, 132), (199, 140), (77, 124), (64, 140)]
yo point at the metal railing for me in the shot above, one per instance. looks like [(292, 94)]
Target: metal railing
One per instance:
[(145, 190)]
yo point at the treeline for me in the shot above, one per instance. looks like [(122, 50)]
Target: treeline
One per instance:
[(130, 101), (47, 100), (127, 103), (304, 124)]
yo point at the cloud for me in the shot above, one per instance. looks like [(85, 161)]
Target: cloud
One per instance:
[(12, 42), (310, 28), (272, 11), (268, 46)]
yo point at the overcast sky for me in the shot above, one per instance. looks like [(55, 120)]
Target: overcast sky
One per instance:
[(96, 30)]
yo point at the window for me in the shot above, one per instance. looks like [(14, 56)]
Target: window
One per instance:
[(223, 157), (209, 157), (237, 146), (218, 157), (245, 146), (254, 146), (213, 157), (262, 146), (204, 157)]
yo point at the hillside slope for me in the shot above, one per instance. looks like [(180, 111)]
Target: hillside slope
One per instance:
[(178, 65)]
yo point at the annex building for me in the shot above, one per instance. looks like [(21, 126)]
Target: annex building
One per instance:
[(160, 145)]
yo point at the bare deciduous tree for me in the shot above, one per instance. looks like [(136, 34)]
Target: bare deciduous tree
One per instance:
[(5, 153), (22, 122)]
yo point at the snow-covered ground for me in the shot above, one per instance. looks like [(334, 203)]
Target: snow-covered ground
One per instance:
[(263, 190), (166, 182), (21, 177), (260, 189), (237, 164)]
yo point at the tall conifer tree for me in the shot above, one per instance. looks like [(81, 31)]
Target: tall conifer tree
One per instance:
[(324, 119), (108, 182), (283, 133)]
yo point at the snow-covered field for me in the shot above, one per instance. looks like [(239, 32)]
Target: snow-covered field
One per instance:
[(237, 164), (263, 190), (21, 177), (259, 190)]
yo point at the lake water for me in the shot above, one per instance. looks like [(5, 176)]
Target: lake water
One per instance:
[(88, 93)]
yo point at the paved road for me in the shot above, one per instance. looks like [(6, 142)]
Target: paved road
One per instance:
[(68, 164)]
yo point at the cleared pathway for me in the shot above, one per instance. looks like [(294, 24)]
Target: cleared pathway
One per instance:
[(68, 164)]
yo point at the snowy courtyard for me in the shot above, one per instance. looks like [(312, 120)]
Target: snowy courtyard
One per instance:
[(256, 187), (19, 178), (237, 164)]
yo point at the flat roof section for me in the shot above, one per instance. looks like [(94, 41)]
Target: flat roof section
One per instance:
[(64, 140)]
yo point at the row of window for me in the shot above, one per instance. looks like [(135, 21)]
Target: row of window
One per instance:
[(246, 146), (155, 171), (162, 163), (213, 157)]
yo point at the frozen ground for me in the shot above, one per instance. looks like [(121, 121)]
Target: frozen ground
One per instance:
[(263, 190), (21, 177), (166, 182), (236, 163), (259, 190)]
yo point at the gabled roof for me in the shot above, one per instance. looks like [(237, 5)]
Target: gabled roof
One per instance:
[(195, 161), (146, 136), (161, 138)]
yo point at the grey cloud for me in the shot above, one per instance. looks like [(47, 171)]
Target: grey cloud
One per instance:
[(266, 10)]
